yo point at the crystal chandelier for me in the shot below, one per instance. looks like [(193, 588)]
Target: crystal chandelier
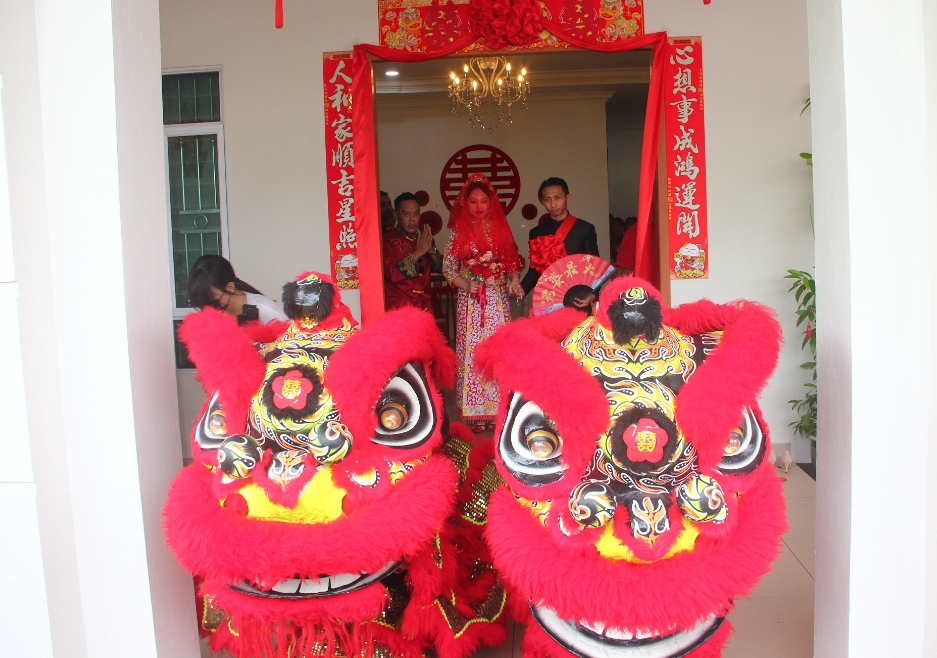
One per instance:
[(488, 89)]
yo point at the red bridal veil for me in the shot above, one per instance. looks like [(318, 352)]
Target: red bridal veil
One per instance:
[(491, 234)]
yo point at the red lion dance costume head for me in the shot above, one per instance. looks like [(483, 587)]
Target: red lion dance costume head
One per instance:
[(322, 515), (639, 504)]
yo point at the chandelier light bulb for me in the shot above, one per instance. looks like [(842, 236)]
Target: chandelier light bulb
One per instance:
[(496, 87)]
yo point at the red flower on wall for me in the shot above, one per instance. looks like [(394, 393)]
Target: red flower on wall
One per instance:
[(290, 390), (646, 441)]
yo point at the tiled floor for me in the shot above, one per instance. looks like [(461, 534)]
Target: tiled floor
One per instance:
[(776, 620)]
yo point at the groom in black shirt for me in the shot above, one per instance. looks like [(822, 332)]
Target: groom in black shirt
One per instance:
[(580, 237)]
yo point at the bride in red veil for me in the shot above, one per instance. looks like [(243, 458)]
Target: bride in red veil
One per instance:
[(481, 260)]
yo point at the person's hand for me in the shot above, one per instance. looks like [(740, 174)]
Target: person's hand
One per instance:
[(472, 288), (516, 289), (584, 302), (423, 243)]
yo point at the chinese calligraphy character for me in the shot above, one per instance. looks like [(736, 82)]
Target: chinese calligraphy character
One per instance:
[(685, 196), (347, 238), (683, 81), (341, 64), (345, 186), (684, 108), (345, 208), (340, 98), (344, 155), (685, 140), (688, 224), (342, 127), (683, 56), (685, 167)]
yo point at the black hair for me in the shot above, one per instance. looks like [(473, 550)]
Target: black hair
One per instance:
[(630, 221), (383, 193), (636, 317), (551, 182), (308, 300), (212, 271), (406, 196)]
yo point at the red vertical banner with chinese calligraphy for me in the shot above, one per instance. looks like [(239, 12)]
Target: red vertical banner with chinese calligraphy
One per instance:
[(340, 168), (687, 210)]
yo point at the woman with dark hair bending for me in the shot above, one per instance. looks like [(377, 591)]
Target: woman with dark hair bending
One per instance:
[(481, 260), (212, 283)]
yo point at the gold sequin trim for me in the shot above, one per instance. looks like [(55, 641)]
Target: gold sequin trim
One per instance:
[(213, 615), (458, 451), (476, 510), (486, 611)]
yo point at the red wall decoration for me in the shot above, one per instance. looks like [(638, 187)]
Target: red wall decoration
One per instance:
[(481, 159), (686, 159), (428, 25), (340, 168)]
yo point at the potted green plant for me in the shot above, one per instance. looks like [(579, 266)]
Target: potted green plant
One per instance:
[(804, 289)]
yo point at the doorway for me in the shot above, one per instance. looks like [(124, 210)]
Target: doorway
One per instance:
[(564, 133)]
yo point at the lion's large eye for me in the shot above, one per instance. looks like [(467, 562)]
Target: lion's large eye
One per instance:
[(745, 448), (405, 414), (212, 429), (529, 445)]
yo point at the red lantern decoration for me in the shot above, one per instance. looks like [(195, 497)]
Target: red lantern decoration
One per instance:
[(529, 211), (422, 197), (431, 218), (544, 217)]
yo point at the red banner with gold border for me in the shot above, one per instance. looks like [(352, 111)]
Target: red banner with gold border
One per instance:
[(340, 168), (428, 25), (686, 159)]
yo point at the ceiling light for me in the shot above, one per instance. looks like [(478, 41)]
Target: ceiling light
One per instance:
[(492, 93), (392, 73)]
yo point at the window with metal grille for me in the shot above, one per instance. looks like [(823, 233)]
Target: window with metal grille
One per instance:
[(196, 179)]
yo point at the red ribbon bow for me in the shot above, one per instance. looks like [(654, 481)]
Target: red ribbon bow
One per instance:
[(506, 22), (544, 251)]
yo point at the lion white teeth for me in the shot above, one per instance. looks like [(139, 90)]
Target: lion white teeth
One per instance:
[(287, 586), (618, 634), (341, 580), (314, 586)]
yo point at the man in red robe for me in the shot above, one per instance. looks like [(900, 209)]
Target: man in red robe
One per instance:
[(410, 257)]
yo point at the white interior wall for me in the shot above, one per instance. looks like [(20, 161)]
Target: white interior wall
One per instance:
[(561, 136), (755, 64), (624, 127)]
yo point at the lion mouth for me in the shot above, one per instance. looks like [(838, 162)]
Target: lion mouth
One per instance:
[(595, 640), (310, 588)]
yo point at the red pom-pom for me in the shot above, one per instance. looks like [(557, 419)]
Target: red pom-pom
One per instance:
[(432, 218), (529, 211), (422, 197)]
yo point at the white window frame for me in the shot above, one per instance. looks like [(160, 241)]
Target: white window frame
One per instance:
[(185, 129)]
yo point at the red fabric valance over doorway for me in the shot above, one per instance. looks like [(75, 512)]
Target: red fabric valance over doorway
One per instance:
[(367, 212)]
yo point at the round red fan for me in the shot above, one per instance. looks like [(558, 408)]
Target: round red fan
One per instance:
[(569, 278)]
